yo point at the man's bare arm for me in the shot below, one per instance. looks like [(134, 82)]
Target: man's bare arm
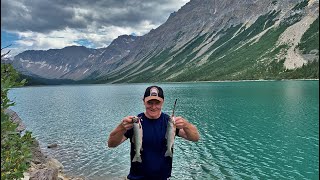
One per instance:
[(116, 137), (187, 130)]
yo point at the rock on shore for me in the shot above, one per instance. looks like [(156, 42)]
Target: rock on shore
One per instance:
[(45, 168), (16, 119)]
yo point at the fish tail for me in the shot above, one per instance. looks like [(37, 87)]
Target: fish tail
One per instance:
[(168, 153), (137, 158)]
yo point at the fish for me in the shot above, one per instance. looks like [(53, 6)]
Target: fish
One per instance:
[(170, 135), (171, 132), (137, 139)]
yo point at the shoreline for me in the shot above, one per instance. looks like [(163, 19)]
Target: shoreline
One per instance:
[(248, 80), (169, 82), (42, 166)]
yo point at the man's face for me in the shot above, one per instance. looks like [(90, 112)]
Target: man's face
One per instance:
[(153, 108)]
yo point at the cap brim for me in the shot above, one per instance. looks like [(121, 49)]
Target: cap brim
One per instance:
[(146, 99)]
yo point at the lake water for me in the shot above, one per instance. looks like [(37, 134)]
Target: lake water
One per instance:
[(249, 130)]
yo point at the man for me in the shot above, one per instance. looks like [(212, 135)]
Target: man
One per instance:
[(155, 165)]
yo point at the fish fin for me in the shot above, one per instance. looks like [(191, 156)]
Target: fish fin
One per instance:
[(137, 158), (168, 153)]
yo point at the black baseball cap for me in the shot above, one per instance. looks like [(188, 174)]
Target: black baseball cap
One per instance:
[(153, 92)]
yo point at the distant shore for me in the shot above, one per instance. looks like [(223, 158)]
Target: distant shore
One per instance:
[(176, 82), (246, 80)]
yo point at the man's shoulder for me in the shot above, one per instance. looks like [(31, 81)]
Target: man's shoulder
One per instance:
[(166, 116)]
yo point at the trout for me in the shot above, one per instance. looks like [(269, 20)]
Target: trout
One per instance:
[(170, 134), (137, 139)]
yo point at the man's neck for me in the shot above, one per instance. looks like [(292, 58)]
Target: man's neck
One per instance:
[(149, 117)]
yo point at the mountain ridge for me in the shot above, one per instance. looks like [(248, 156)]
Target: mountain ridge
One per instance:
[(204, 40)]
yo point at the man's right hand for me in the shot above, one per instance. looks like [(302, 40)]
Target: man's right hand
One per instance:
[(117, 135), (127, 122)]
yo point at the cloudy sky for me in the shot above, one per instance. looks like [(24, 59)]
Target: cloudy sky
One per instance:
[(50, 24)]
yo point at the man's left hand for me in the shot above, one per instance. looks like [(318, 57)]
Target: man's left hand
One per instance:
[(181, 122)]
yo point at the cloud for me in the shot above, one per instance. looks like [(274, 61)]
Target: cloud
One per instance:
[(44, 24), (37, 16), (47, 15)]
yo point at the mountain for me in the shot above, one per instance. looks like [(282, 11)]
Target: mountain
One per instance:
[(204, 40), (73, 62)]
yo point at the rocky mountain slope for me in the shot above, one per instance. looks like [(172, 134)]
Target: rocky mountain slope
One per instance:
[(204, 40)]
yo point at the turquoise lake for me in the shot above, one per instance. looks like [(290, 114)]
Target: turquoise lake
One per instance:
[(248, 129)]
